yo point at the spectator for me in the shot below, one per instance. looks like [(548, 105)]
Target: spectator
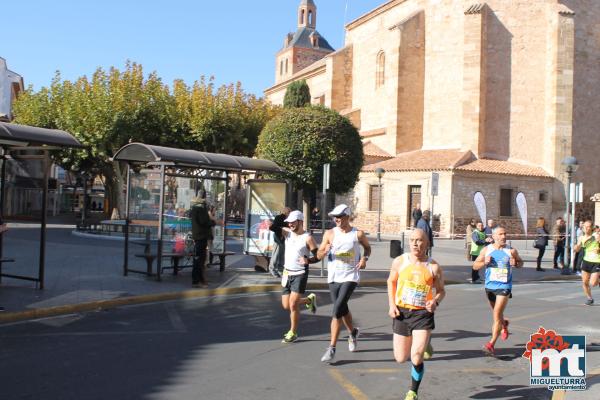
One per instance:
[(416, 214), (424, 224), (558, 238), (478, 242), (489, 229), (201, 234), (277, 256), (468, 237), (314, 218), (541, 241)]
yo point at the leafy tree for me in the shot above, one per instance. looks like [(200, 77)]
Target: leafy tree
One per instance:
[(118, 107), (297, 94), (301, 140)]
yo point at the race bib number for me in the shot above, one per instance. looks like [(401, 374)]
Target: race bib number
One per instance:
[(414, 294), (346, 257), (499, 274), (284, 278)]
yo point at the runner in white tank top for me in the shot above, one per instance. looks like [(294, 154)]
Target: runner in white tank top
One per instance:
[(341, 245), (298, 248)]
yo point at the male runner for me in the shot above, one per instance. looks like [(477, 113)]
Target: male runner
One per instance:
[(499, 260), (299, 245), (412, 304), (342, 246), (590, 265)]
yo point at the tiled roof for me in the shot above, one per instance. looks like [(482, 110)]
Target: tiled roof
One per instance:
[(503, 167), (422, 160), (370, 149), (374, 132), (302, 39)]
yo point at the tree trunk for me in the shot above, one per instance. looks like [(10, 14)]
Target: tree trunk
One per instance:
[(114, 186)]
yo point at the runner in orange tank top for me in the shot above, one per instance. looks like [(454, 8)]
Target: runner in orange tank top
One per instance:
[(411, 285)]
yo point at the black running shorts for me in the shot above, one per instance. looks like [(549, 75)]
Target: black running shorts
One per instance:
[(590, 267), (410, 320), (492, 293)]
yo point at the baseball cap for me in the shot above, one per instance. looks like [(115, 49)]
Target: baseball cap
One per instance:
[(295, 216), (340, 211)]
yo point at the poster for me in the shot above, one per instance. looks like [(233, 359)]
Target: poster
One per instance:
[(264, 200), (480, 206)]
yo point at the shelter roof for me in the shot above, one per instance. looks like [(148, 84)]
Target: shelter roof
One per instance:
[(145, 153), (24, 135)]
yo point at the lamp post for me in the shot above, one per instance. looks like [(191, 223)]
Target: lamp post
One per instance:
[(570, 163), (379, 172)]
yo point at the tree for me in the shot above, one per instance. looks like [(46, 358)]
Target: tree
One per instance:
[(116, 108), (301, 140), (297, 94)]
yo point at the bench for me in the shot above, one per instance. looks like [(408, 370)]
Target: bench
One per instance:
[(222, 257), (175, 257)]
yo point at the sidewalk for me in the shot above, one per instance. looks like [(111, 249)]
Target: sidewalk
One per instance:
[(85, 274)]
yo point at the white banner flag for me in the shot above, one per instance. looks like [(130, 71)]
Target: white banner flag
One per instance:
[(480, 206), (522, 206)]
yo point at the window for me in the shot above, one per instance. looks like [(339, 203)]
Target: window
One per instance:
[(380, 70), (281, 67), (301, 22), (286, 65), (374, 197), (542, 196), (310, 18), (506, 203)]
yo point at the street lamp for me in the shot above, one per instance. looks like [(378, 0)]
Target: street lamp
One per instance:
[(379, 172), (570, 164)]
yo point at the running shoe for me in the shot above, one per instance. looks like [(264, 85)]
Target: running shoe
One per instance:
[(411, 395), (488, 349), (289, 337), (329, 354), (353, 340), (312, 304), (504, 333), (428, 352), (589, 302)]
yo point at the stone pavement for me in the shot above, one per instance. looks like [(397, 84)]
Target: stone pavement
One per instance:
[(87, 273)]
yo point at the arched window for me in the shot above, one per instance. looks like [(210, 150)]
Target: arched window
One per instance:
[(281, 67), (380, 70), (301, 21), (286, 65), (310, 18)]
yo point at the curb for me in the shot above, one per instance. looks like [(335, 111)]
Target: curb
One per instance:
[(98, 305)]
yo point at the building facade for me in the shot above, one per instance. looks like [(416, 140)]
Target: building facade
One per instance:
[(491, 96), (11, 84)]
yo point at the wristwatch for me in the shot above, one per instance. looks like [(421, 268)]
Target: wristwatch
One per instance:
[(366, 258)]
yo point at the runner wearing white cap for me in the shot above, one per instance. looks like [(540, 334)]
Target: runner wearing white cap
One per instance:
[(298, 248), (342, 245)]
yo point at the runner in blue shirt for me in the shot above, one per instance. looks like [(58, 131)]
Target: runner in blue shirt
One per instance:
[(499, 260)]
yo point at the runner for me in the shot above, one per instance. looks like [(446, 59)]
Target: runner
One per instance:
[(590, 266), (499, 260), (413, 304), (299, 245), (342, 246)]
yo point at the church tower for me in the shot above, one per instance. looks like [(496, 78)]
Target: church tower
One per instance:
[(302, 48)]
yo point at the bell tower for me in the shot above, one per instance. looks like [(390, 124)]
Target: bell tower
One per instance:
[(307, 14)]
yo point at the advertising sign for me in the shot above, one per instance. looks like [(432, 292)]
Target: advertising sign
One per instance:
[(522, 206), (480, 206), (264, 200)]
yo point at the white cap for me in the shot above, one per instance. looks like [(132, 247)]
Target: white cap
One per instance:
[(340, 211), (295, 216)]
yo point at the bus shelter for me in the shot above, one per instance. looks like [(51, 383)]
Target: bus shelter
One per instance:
[(162, 185), (24, 180)]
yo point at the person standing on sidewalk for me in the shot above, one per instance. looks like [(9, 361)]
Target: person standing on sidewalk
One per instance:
[(499, 260), (425, 225), (541, 241), (202, 224), (478, 242), (468, 237), (278, 253), (416, 214), (342, 246), (589, 245), (412, 303), (558, 238), (299, 245)]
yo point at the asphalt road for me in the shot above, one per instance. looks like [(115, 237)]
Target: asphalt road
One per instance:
[(230, 348)]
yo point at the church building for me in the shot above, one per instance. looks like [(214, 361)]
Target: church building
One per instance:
[(487, 97)]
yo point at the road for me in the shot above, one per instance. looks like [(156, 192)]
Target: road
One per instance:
[(229, 348)]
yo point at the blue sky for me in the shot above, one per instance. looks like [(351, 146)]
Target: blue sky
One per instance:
[(231, 40)]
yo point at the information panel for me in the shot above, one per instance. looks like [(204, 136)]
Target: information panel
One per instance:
[(264, 200)]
